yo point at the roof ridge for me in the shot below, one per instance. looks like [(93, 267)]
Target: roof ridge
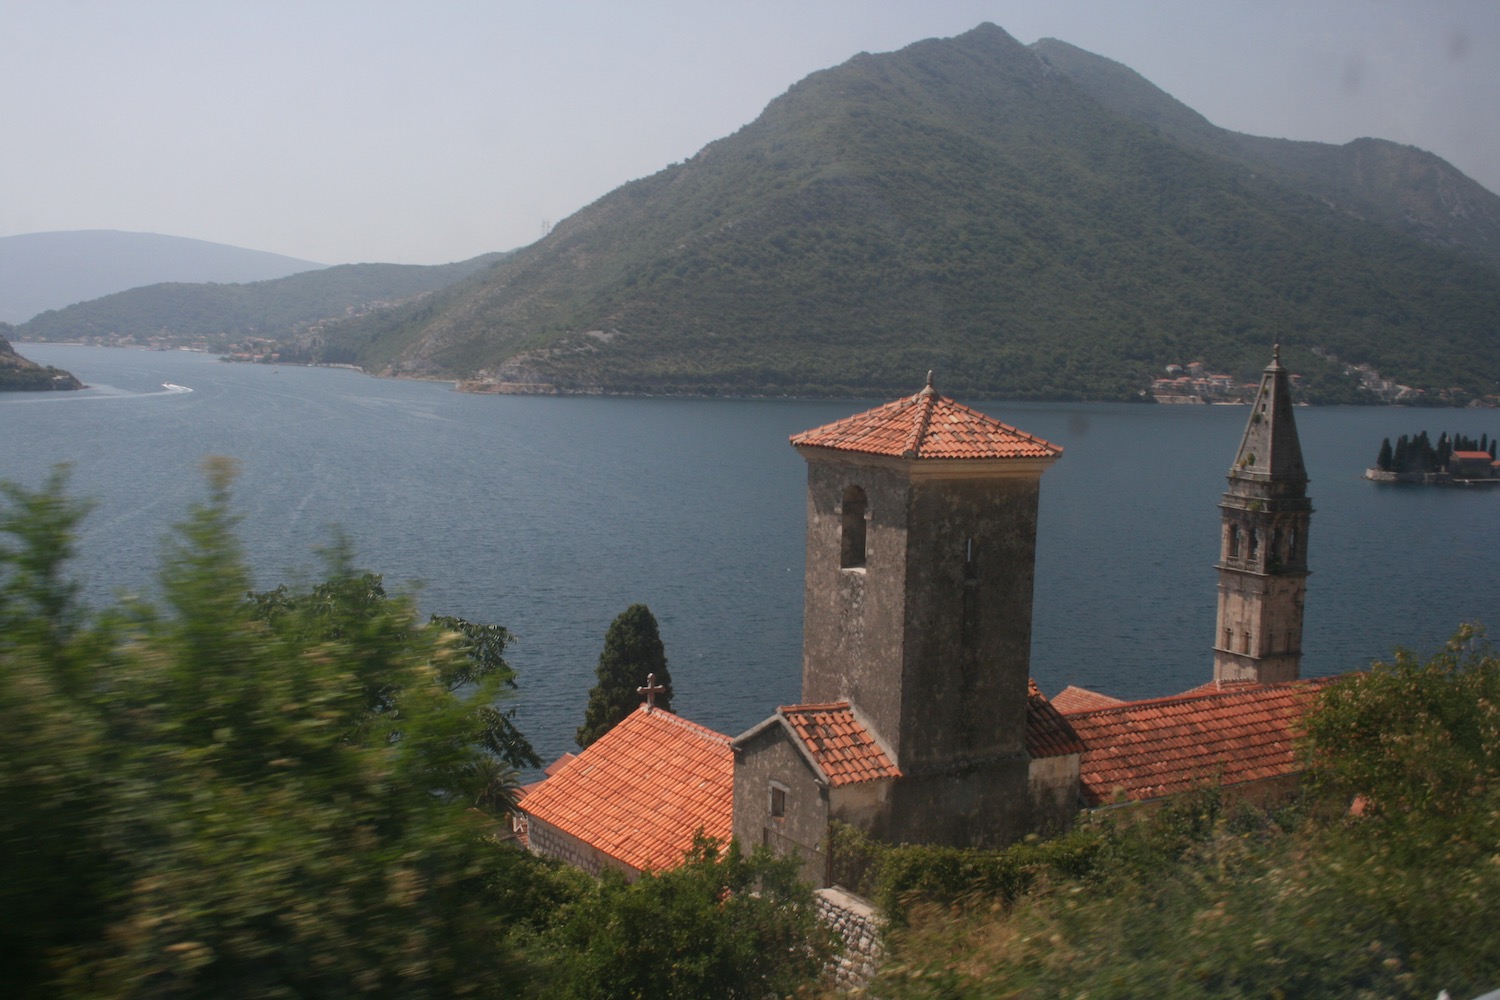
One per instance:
[(926, 401), (673, 718), (815, 706), (1178, 699)]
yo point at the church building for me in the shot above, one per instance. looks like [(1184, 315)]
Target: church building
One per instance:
[(919, 722)]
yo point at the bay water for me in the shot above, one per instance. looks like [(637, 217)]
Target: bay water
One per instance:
[(550, 515)]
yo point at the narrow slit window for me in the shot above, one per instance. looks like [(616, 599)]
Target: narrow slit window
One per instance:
[(852, 530)]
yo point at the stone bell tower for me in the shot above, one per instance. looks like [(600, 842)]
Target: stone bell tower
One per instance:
[(921, 542), (1263, 550)]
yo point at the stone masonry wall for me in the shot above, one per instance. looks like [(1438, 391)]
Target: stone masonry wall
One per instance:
[(857, 923)]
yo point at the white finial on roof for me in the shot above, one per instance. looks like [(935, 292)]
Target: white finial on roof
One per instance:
[(928, 389)]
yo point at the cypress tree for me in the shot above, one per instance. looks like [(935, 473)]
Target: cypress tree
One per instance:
[(1385, 459), (632, 651)]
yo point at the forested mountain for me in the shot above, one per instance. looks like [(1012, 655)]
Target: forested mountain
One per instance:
[(970, 205), (1400, 187), (40, 271), (284, 309)]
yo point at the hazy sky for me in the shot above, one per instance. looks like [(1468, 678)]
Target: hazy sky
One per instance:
[(424, 132)]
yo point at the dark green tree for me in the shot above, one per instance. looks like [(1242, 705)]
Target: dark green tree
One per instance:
[(1386, 457), (632, 652)]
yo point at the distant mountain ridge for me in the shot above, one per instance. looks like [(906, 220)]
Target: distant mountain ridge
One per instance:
[(971, 205), (41, 271), (287, 310), (1399, 187)]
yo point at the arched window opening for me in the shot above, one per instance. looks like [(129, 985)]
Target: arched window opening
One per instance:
[(1254, 543), (852, 530), (1234, 541), (1291, 546), (1229, 639)]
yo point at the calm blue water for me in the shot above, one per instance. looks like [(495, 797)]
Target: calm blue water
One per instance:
[(551, 515)]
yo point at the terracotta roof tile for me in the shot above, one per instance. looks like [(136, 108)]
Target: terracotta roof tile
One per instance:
[(642, 790), (1149, 749), (1048, 734), (1077, 699), (843, 748), (926, 425)]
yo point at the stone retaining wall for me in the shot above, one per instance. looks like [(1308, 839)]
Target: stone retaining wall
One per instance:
[(860, 926)]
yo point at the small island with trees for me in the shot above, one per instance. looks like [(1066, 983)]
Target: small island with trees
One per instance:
[(1459, 460)]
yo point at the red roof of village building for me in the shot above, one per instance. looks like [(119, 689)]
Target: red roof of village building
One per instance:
[(642, 790), (1149, 749), (926, 425), (840, 745), (1048, 734), (1076, 699)]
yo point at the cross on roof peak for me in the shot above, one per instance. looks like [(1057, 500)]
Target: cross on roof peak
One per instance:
[(651, 690)]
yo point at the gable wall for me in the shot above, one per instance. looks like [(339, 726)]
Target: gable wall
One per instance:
[(768, 757)]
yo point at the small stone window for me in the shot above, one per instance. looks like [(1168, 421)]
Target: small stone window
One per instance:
[(778, 800), (1229, 639), (1254, 543), (852, 529), (1233, 541), (971, 560)]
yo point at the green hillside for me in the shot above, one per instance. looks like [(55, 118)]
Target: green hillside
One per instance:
[(282, 309), (1399, 187), (17, 373), (963, 205)]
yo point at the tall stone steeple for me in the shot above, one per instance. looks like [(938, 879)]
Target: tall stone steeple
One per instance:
[(1263, 551)]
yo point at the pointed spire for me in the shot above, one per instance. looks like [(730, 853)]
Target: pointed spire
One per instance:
[(1270, 449)]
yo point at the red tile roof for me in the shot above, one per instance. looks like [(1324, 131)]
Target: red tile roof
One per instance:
[(1149, 749), (1048, 734), (642, 790), (845, 750), (1077, 699), (926, 425)]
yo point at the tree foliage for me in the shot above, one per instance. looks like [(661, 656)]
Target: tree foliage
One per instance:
[(722, 924), (633, 651), (1209, 898), (207, 799)]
